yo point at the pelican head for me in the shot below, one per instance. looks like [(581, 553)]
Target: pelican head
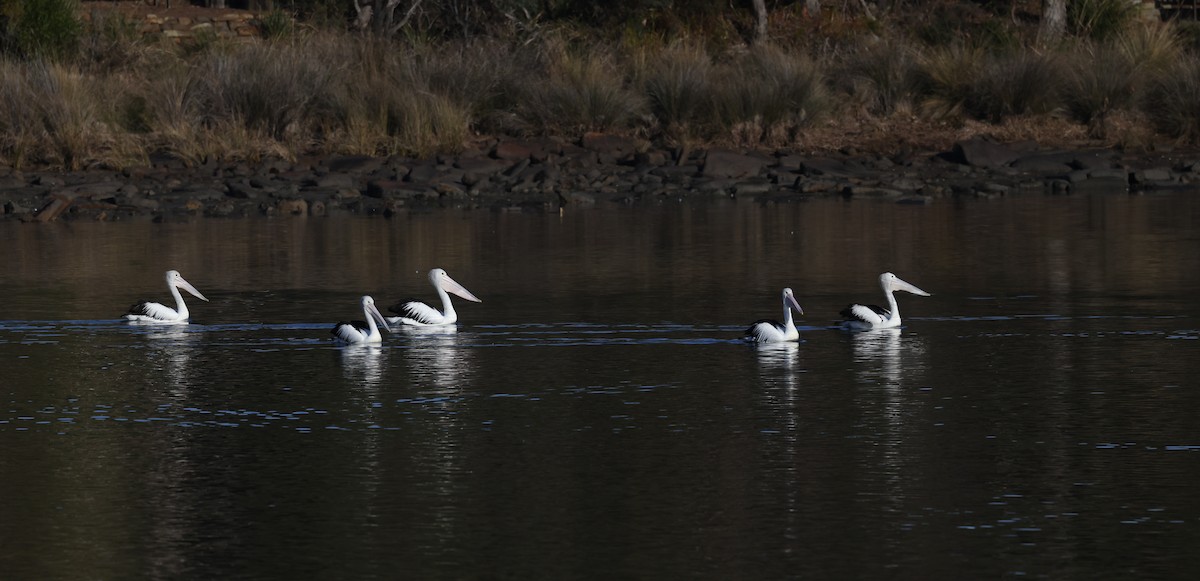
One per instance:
[(175, 280), (441, 280), (892, 283), (789, 300), (368, 305)]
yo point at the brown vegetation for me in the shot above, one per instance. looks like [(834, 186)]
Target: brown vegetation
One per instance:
[(827, 83)]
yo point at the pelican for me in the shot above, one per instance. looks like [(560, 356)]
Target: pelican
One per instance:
[(863, 317), (413, 312), (356, 332), (768, 331), (147, 312)]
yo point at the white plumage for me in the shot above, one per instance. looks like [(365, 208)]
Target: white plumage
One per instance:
[(147, 312), (358, 332), (414, 312), (862, 317), (771, 331)]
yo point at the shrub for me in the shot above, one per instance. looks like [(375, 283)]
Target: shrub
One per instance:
[(676, 84), (881, 76), (1101, 79), (46, 28), (265, 88), (1152, 47), (19, 127), (1100, 19), (1017, 83), (769, 95), (969, 81), (947, 78), (580, 93), (51, 115), (276, 25), (1171, 102)]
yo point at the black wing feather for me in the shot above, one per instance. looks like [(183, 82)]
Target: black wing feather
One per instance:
[(848, 312), (771, 322), (360, 325), (401, 308)]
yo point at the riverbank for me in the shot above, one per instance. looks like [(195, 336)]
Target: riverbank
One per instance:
[(546, 174)]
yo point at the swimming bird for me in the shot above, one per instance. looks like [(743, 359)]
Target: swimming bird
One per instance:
[(355, 332), (863, 317), (414, 312), (147, 312), (770, 331)]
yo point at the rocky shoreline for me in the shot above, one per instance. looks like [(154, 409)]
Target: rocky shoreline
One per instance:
[(545, 174)]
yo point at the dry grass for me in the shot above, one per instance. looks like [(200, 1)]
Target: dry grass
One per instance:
[(343, 93)]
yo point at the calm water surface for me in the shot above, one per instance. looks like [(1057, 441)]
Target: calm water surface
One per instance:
[(596, 416)]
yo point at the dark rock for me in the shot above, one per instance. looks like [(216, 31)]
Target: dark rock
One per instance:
[(579, 199), (12, 183), (814, 186), (422, 173), (335, 180), (1155, 175), (355, 164), (980, 152), (513, 150), (242, 190), (1109, 173), (823, 166), (48, 181), (1093, 160), (722, 163), (753, 187), (907, 184), (1045, 163), (653, 158), (611, 146), (96, 189), (137, 201), (482, 165), (221, 209)]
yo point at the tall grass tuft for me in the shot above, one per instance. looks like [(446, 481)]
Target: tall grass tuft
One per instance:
[(60, 120), (677, 85), (1171, 102), (1151, 47), (947, 76), (272, 89), (1101, 79), (769, 95), (394, 100), (964, 81), (882, 76), (1100, 19), (19, 126), (580, 93)]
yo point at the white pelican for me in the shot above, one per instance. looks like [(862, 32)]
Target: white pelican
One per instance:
[(414, 312), (769, 331), (863, 317), (147, 312), (355, 332)]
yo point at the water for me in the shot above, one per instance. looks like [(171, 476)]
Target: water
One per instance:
[(595, 416)]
